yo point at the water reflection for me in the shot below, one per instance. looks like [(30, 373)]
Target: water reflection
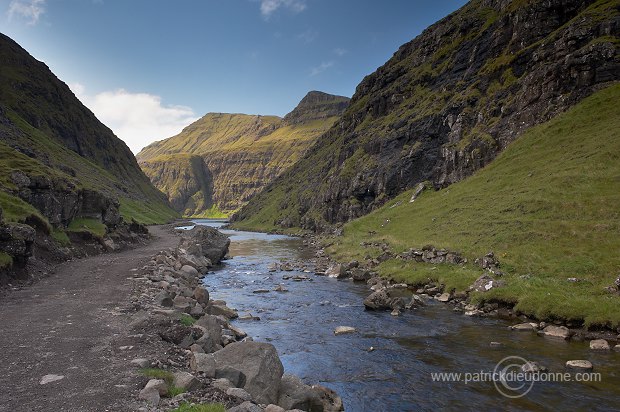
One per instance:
[(396, 375)]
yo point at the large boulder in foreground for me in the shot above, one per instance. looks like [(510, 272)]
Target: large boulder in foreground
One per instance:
[(205, 241), (258, 362)]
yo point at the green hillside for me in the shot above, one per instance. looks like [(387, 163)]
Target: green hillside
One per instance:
[(445, 105), (215, 165), (548, 206), (57, 159)]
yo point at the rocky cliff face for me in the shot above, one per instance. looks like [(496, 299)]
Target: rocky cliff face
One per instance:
[(235, 155), (446, 104), (58, 163)]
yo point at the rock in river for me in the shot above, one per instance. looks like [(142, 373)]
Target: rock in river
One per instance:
[(342, 330), (259, 364), (579, 364), (599, 344)]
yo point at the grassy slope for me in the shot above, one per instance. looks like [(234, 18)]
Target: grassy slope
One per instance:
[(365, 146), (258, 146), (547, 206)]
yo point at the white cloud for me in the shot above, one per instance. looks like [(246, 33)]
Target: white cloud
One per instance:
[(268, 7), (340, 51), (31, 10), (137, 118), (308, 36), (320, 68)]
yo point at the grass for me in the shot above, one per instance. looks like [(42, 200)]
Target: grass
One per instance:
[(17, 211), (93, 226), (548, 208), (5, 260), (61, 237), (204, 407), (187, 320), (166, 376), (146, 212)]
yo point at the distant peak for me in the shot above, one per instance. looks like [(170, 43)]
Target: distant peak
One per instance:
[(317, 105)]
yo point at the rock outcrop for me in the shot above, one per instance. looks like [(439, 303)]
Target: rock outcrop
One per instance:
[(446, 104), (215, 165)]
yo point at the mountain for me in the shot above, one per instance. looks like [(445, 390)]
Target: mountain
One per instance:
[(445, 105), (547, 207), (220, 161), (59, 165)]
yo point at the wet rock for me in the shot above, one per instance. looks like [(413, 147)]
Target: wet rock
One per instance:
[(599, 344), (260, 364), (50, 378), (444, 297), (524, 327), (342, 330), (261, 291), (496, 344), (221, 310), (186, 381), (532, 367), (395, 312), (336, 271), (556, 332), (294, 394), (579, 364), (281, 288)]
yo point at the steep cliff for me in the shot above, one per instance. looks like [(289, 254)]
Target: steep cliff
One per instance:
[(445, 105), (235, 155), (58, 164)]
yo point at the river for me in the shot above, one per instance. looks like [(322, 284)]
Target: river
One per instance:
[(398, 374)]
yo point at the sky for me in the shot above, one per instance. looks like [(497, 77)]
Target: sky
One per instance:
[(148, 68)]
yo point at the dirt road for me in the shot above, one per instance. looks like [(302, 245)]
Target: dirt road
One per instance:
[(74, 324)]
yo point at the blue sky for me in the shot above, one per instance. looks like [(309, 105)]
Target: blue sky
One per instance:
[(147, 68)]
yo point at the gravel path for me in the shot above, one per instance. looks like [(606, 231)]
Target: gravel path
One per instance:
[(74, 324)]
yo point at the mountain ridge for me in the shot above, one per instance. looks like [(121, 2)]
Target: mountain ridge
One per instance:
[(444, 106), (241, 152)]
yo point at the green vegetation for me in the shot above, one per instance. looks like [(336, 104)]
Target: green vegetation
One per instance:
[(61, 237), (547, 206), (204, 407), (166, 376), (214, 165), (5, 260), (48, 135), (18, 211), (87, 225), (187, 320), (145, 212)]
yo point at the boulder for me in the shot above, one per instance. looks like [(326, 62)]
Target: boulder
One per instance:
[(579, 364), (387, 299), (239, 393), (532, 367), (222, 310), (159, 385), (260, 364), (524, 327), (151, 396), (599, 344), (222, 384), (274, 408), (186, 381), (201, 295), (342, 330), (556, 332), (294, 394), (336, 271), (246, 406), (189, 271), (205, 241), (485, 283), (164, 299), (202, 363), (360, 274), (444, 297)]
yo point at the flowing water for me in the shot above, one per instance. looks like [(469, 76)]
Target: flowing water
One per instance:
[(398, 374)]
